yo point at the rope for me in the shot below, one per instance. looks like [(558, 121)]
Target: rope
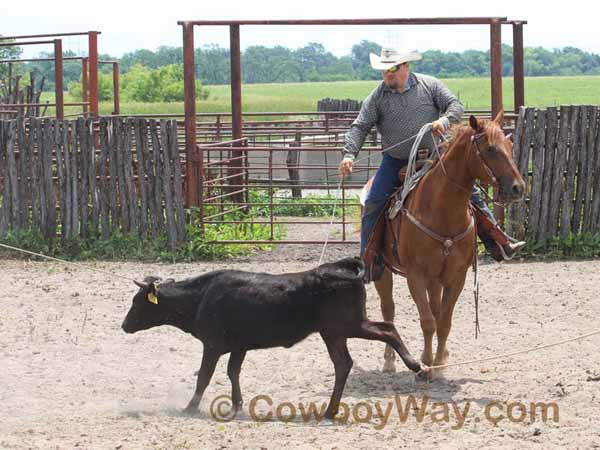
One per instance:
[(519, 352), (460, 363), (391, 147), (340, 185), (411, 168), (419, 137), (84, 266), (337, 194)]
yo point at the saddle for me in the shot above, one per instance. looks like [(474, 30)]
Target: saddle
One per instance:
[(374, 253)]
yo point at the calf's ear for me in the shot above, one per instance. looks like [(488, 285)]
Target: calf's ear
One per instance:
[(150, 290), (142, 285)]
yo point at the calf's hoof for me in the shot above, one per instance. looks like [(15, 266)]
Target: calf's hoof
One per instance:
[(330, 414), (191, 411), (237, 406), (425, 374)]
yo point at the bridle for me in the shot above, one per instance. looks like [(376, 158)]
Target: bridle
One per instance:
[(475, 140), (475, 144)]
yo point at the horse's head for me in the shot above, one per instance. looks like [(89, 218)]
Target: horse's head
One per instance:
[(491, 158)]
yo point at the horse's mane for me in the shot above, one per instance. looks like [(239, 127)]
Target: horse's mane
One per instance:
[(456, 131)]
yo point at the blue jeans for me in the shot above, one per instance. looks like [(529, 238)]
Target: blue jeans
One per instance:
[(385, 182)]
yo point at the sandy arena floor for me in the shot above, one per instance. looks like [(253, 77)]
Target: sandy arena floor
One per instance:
[(70, 378)]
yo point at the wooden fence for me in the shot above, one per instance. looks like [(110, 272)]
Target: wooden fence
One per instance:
[(79, 179), (557, 151), (333, 104)]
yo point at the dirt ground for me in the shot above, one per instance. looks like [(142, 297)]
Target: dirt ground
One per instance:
[(71, 378)]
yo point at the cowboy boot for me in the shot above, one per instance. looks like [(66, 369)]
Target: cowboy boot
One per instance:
[(511, 248), (374, 265), (499, 245)]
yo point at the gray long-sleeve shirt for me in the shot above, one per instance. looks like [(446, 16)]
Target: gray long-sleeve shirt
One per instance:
[(400, 115)]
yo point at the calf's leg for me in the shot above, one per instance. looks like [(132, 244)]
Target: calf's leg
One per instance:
[(386, 332), (233, 372), (342, 363), (210, 357)]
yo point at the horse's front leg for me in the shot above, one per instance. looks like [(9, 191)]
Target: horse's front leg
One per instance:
[(444, 323), (384, 288), (417, 284)]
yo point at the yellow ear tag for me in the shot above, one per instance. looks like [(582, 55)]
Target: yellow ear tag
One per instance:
[(152, 298)]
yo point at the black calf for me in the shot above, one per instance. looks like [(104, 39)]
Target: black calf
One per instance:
[(233, 312)]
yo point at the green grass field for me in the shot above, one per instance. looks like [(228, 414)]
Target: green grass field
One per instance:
[(473, 92)]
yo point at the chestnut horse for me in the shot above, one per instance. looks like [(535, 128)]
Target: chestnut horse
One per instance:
[(436, 242)]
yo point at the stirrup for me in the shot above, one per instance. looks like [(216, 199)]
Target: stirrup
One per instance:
[(374, 270), (514, 245)]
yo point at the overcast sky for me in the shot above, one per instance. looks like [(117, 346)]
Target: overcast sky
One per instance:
[(130, 25)]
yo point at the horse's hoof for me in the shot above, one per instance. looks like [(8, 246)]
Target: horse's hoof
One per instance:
[(389, 367)]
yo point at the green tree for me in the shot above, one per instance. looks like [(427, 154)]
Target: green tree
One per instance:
[(213, 65), (8, 53), (164, 84), (311, 61), (359, 59), (142, 57), (105, 87), (269, 65)]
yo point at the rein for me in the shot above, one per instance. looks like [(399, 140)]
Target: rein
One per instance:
[(475, 142)]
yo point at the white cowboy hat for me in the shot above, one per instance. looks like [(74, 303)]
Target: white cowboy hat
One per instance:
[(391, 57)]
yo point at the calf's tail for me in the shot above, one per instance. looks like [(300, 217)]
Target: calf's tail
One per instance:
[(347, 269)]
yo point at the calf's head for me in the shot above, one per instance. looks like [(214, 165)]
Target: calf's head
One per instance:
[(146, 311)]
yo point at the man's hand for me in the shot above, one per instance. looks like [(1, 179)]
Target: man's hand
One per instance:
[(438, 128), (346, 166)]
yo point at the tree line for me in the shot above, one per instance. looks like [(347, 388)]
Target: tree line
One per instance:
[(154, 75), (313, 62)]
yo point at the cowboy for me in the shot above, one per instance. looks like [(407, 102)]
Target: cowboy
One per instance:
[(399, 107)]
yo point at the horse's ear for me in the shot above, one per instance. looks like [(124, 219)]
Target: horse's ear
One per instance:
[(474, 124), (499, 118)]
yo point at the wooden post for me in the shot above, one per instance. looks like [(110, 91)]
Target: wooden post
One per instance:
[(568, 195)]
